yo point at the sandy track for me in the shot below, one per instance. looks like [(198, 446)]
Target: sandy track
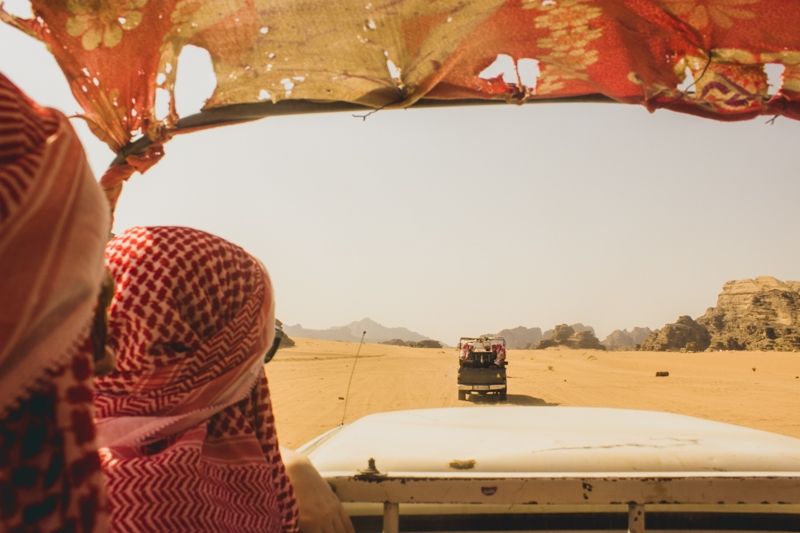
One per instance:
[(308, 384)]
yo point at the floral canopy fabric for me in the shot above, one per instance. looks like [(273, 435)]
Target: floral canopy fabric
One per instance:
[(704, 57)]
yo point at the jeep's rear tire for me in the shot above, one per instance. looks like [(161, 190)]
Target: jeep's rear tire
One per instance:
[(462, 395), (502, 395)]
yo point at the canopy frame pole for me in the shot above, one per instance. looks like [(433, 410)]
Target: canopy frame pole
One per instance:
[(636, 518), (248, 112), (391, 517)]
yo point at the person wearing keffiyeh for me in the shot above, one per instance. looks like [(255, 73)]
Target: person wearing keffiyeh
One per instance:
[(54, 222), (185, 421)]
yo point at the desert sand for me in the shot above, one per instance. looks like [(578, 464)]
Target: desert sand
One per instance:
[(308, 384)]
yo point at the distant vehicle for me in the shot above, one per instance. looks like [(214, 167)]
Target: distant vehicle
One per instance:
[(482, 367)]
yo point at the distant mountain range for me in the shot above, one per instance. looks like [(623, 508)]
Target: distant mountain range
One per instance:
[(516, 338), (352, 332), (520, 338)]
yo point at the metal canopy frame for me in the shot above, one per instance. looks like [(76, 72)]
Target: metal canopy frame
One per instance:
[(241, 113), (637, 491)]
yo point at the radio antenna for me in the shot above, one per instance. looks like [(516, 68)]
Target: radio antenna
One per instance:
[(350, 381)]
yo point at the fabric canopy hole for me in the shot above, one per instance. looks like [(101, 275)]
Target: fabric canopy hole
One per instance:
[(528, 69), (774, 72), (524, 71), (195, 80), (688, 81), (162, 103), (18, 8), (394, 71), (504, 66)]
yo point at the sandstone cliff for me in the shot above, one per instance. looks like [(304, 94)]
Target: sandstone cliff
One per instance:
[(755, 314), (684, 335)]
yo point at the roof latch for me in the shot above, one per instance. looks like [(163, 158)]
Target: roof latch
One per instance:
[(371, 473)]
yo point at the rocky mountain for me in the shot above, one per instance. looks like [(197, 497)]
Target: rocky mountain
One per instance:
[(755, 314), (683, 335), (521, 337), (352, 332), (576, 328), (622, 339), (585, 339), (751, 314), (564, 335)]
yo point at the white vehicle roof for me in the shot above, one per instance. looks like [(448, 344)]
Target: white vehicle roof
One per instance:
[(509, 441)]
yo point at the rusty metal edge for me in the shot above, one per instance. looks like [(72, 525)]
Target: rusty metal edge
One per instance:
[(772, 489)]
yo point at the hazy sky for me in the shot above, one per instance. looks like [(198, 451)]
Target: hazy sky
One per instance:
[(463, 221)]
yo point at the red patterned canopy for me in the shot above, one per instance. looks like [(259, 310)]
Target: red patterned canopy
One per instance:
[(284, 56)]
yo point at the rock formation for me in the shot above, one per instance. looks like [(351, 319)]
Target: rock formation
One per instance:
[(427, 343), (755, 314), (577, 328), (684, 335), (521, 337), (586, 340), (622, 339), (564, 335)]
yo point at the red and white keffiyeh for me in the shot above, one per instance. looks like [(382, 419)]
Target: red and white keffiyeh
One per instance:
[(53, 227), (185, 421)]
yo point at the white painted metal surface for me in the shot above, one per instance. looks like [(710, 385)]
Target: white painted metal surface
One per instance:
[(530, 459), (519, 441)]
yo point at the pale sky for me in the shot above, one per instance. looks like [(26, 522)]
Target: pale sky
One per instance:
[(463, 221)]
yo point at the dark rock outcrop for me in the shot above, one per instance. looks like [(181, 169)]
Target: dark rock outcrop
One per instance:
[(565, 335), (586, 340), (622, 339), (427, 343), (755, 314), (684, 335), (577, 328), (562, 333)]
